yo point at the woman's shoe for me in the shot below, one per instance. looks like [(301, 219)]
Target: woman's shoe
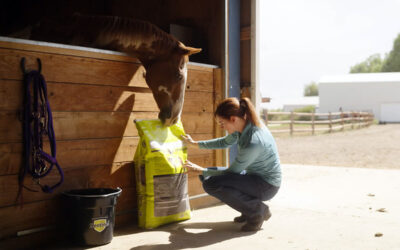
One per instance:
[(255, 223), (240, 219)]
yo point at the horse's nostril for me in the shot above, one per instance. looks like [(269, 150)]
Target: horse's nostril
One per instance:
[(175, 120)]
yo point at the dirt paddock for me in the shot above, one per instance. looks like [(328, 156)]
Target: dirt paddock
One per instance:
[(377, 146)]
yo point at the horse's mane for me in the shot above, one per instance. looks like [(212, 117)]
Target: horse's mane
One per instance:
[(111, 32)]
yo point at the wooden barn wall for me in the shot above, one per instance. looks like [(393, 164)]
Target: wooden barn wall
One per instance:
[(94, 98)]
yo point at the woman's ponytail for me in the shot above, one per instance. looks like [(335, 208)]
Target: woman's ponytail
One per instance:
[(243, 109), (250, 111)]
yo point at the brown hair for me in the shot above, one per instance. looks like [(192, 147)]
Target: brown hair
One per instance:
[(233, 107)]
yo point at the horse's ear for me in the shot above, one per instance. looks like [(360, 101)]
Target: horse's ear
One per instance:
[(188, 50), (193, 50)]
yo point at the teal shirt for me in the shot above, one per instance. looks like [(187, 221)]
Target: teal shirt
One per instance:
[(257, 154)]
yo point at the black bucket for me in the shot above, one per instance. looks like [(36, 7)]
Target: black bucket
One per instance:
[(91, 214)]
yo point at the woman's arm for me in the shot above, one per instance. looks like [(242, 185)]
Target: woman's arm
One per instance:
[(187, 139), (218, 143), (194, 167)]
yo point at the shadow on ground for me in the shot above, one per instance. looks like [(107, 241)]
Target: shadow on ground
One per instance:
[(184, 235), (199, 234)]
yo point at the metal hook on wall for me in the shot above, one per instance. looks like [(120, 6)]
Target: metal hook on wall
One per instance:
[(23, 65)]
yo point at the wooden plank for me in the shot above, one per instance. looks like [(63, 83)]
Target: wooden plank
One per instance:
[(127, 201), (203, 202), (199, 80), (11, 95), (78, 97), (37, 240), (198, 123), (198, 102), (72, 69), (75, 153), (108, 176), (195, 186), (204, 160), (61, 49), (198, 151), (220, 155), (10, 158), (31, 215), (10, 126), (86, 125), (201, 66), (126, 218)]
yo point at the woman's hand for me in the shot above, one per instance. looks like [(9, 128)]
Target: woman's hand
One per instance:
[(187, 139), (194, 167)]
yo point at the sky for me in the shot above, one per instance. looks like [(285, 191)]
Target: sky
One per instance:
[(302, 40)]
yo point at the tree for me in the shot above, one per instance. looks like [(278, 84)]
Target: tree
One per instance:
[(311, 89), (392, 62), (372, 64)]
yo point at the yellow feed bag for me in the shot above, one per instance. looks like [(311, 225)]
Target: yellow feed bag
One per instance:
[(161, 179)]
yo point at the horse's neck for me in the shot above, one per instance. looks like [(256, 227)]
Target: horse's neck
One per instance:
[(134, 37)]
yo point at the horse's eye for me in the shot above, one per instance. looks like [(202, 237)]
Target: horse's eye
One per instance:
[(179, 76)]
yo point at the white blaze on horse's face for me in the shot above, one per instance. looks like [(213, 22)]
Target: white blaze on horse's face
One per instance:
[(164, 89)]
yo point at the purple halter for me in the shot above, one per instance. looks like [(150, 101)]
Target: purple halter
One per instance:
[(37, 123)]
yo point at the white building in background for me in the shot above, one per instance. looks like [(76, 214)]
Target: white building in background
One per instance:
[(378, 93), (301, 102)]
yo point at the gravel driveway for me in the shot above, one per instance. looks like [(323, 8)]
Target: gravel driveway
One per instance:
[(377, 146)]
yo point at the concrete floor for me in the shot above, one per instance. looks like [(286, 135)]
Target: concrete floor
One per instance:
[(316, 208)]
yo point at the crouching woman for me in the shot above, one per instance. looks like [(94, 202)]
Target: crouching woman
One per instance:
[(255, 174)]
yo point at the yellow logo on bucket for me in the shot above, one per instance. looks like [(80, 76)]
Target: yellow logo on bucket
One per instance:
[(99, 225)]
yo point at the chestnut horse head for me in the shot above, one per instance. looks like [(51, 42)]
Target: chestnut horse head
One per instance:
[(166, 78), (164, 58)]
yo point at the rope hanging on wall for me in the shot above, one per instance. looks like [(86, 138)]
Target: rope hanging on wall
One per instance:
[(37, 123)]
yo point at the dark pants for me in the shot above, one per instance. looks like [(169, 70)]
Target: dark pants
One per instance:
[(243, 193)]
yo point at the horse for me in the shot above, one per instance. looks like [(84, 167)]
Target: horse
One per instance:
[(163, 56)]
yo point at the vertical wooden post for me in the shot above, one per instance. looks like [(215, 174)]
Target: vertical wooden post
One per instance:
[(352, 120), (330, 122), (291, 122), (220, 159), (265, 111), (312, 122), (342, 119)]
